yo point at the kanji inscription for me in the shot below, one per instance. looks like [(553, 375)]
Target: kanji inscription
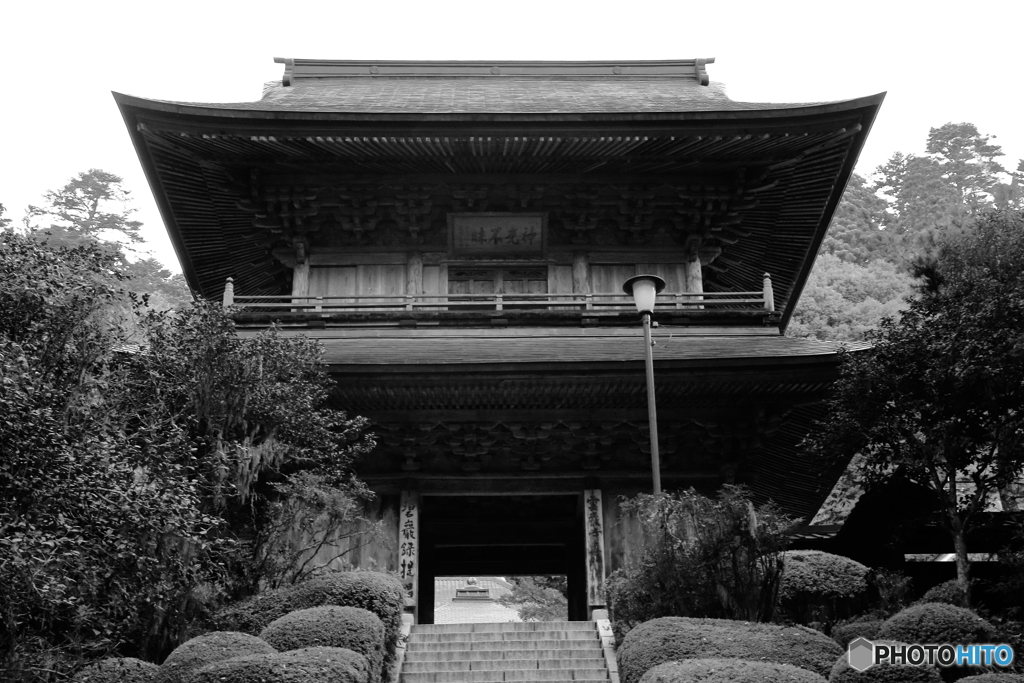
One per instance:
[(497, 234), (408, 541)]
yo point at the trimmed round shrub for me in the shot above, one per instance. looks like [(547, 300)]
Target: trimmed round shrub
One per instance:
[(670, 639), (728, 671), (842, 672), (935, 622), (846, 632), (117, 670), (352, 628), (379, 593), (993, 678), (207, 649), (820, 586), (308, 665), (947, 592)]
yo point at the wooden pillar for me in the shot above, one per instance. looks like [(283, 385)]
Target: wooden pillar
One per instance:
[(300, 279), (593, 518), (580, 273), (409, 548), (414, 274)]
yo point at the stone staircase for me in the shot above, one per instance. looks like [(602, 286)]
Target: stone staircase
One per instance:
[(526, 652)]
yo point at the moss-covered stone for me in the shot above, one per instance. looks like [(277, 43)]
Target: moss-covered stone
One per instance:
[(379, 593), (728, 671), (308, 665), (207, 649), (117, 670), (353, 628), (842, 672), (677, 638)]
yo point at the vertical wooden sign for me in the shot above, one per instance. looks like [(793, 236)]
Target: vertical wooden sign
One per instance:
[(594, 527), (409, 545)]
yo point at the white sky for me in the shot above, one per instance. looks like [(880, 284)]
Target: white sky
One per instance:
[(939, 62)]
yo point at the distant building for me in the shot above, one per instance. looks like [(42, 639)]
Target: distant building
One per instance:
[(457, 235), (471, 600)]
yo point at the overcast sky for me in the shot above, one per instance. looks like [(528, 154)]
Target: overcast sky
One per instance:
[(939, 62)]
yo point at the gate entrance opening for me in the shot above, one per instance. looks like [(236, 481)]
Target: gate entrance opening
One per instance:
[(501, 535)]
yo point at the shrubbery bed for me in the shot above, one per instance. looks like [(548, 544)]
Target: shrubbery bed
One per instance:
[(818, 586), (936, 622), (308, 665), (993, 678), (728, 671), (677, 638), (117, 670), (844, 633), (352, 628), (207, 649), (947, 592), (842, 672), (379, 593)]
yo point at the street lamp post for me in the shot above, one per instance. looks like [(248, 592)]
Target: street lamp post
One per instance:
[(644, 289)]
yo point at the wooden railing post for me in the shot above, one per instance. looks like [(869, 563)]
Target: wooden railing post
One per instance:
[(229, 293), (497, 302), (769, 295)]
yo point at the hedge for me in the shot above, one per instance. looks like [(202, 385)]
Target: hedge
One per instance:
[(352, 628), (379, 593), (947, 592), (849, 631), (676, 638), (993, 678), (308, 665), (728, 671), (117, 670), (842, 672), (812, 573), (936, 622), (207, 649)]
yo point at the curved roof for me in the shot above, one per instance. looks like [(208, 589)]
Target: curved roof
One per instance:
[(497, 95)]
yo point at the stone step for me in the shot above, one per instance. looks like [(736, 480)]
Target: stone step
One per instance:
[(510, 644), (506, 626), (593, 664), (494, 676), (487, 655), (478, 636)]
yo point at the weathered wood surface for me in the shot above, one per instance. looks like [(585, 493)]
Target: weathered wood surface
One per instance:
[(593, 518)]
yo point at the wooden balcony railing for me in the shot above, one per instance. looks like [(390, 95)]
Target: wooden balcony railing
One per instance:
[(762, 301)]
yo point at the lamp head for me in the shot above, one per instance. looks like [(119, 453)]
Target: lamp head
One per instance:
[(644, 289)]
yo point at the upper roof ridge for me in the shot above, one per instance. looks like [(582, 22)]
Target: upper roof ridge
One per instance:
[(300, 69)]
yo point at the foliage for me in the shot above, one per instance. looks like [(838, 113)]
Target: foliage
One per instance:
[(94, 209), (352, 628), (117, 670), (308, 665), (993, 678), (91, 206), (845, 632), (937, 623), (936, 400), (893, 589), (948, 592), (819, 586), (126, 459), (700, 557), (194, 654), (844, 300), (676, 638), (856, 233), (538, 598), (842, 672), (379, 593), (728, 671)]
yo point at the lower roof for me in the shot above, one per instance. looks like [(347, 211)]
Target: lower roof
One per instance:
[(355, 349)]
